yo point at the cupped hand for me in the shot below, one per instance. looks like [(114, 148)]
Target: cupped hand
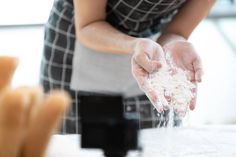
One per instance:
[(148, 57), (185, 57)]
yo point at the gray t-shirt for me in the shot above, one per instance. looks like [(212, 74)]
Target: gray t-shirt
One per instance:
[(95, 71), (104, 72)]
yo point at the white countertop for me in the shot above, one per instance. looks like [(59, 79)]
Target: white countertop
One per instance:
[(202, 141)]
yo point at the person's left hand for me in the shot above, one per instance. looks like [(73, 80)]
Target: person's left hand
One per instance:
[(185, 57)]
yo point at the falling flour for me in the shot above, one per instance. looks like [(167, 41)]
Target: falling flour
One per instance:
[(171, 81)]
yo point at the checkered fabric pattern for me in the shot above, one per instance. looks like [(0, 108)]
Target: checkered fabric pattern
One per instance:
[(133, 17), (141, 18), (148, 116)]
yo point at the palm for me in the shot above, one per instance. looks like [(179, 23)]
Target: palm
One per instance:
[(183, 56)]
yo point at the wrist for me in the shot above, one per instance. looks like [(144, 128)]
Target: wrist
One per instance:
[(167, 38), (137, 42), (141, 41)]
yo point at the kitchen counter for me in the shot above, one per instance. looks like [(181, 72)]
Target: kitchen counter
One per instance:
[(201, 141)]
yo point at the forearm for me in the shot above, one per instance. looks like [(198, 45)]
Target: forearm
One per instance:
[(101, 36), (186, 20)]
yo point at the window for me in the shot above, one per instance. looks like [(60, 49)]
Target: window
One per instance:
[(24, 12), (224, 9)]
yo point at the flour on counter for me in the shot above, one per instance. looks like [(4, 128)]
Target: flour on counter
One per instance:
[(171, 81)]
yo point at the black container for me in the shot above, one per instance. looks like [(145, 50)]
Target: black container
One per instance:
[(105, 125)]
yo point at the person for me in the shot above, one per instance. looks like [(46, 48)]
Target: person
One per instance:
[(27, 117), (110, 46)]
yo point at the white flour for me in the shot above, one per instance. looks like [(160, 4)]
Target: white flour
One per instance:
[(172, 81)]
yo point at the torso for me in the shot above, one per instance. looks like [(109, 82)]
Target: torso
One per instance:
[(141, 18)]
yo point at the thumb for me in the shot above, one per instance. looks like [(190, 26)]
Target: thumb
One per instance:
[(149, 65), (156, 65)]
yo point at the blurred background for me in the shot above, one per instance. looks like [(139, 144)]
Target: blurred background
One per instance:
[(22, 30)]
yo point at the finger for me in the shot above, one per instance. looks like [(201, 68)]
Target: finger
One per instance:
[(43, 122), (138, 72), (153, 97), (146, 63), (197, 65), (165, 104), (141, 77), (198, 75), (35, 95), (12, 119), (190, 76), (192, 105), (159, 107), (168, 96), (7, 68), (157, 65)]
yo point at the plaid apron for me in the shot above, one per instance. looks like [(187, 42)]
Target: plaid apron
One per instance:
[(139, 18)]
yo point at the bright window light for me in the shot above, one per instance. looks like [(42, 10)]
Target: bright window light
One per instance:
[(24, 12)]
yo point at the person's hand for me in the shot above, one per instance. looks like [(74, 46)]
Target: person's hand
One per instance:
[(148, 57), (185, 57), (7, 68), (27, 117)]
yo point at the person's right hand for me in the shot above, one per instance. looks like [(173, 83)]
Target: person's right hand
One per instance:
[(148, 57), (27, 117)]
